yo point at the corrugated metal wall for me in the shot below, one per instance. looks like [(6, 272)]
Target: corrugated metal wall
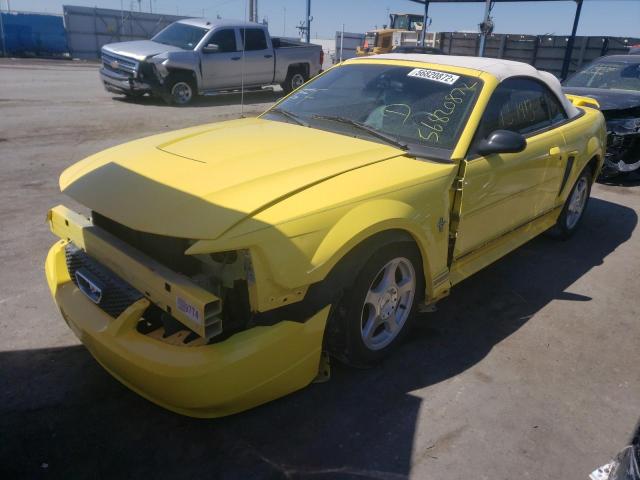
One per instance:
[(350, 42), (32, 34), (543, 52), (88, 29)]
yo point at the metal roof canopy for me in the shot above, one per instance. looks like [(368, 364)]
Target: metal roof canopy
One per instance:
[(489, 3)]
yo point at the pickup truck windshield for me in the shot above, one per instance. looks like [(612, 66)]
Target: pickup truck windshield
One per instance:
[(418, 107), (181, 35), (608, 75)]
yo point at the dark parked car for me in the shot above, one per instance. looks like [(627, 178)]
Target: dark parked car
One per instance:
[(614, 81), (417, 49)]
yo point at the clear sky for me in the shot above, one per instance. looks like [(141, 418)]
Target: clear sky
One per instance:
[(599, 17)]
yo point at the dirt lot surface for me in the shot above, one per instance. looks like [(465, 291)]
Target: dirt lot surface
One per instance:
[(529, 370)]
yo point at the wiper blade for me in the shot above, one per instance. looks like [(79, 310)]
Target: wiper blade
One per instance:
[(290, 116), (363, 126)]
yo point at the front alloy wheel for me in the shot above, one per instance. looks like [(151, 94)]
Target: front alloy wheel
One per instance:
[(388, 303), (377, 311)]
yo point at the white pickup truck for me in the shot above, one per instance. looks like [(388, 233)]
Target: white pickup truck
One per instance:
[(198, 57)]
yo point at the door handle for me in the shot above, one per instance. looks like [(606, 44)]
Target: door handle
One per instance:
[(268, 56), (556, 153), (235, 58)]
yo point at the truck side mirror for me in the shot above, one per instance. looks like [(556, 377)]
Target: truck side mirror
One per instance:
[(502, 141), (211, 48)]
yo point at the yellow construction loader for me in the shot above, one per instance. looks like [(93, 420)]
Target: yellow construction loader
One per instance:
[(381, 40)]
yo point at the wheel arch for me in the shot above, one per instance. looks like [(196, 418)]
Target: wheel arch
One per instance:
[(304, 66), (176, 71), (595, 164), (595, 153), (364, 230)]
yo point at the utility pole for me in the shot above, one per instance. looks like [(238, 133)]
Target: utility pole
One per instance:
[(284, 21), (486, 27), (341, 41), (308, 22), (253, 10)]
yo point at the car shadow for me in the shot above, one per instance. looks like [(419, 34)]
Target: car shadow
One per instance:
[(218, 100), (631, 179), (63, 416)]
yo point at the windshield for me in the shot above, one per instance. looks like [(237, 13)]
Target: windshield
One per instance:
[(608, 75), (406, 22), (181, 35), (419, 107)]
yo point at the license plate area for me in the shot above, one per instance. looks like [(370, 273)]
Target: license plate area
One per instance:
[(89, 285)]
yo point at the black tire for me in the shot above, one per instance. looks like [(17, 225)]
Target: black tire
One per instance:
[(176, 85), (567, 223), (349, 316), (295, 78)]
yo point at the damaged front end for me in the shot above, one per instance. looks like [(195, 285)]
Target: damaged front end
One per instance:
[(623, 142), (175, 328), (197, 300)]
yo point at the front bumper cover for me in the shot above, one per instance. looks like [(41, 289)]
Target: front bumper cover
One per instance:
[(250, 368), (122, 84)]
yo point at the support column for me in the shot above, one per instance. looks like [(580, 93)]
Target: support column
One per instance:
[(567, 54), (423, 36)]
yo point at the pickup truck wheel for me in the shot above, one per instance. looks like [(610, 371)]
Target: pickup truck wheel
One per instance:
[(574, 207), (377, 312), (294, 80), (181, 90)]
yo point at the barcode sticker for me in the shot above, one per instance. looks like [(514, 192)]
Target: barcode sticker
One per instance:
[(434, 75)]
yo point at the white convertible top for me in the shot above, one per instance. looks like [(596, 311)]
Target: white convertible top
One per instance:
[(501, 69)]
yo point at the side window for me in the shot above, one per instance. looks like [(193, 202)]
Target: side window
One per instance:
[(523, 106), (225, 39), (556, 110), (254, 39)]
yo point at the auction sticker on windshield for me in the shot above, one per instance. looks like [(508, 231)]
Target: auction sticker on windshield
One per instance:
[(441, 77)]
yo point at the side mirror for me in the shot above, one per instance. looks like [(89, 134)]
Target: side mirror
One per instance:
[(211, 48), (502, 141)]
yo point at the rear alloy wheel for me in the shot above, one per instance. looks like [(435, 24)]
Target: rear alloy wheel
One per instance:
[(574, 207), (295, 79), (376, 313)]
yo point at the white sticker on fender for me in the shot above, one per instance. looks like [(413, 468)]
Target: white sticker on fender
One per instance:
[(441, 77), (188, 309)]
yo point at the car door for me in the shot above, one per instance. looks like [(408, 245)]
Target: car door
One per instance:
[(501, 192), (222, 68), (258, 56)]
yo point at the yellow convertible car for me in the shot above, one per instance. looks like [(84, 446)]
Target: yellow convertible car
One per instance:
[(220, 263)]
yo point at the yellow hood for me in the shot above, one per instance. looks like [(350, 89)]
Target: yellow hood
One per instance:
[(199, 182)]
